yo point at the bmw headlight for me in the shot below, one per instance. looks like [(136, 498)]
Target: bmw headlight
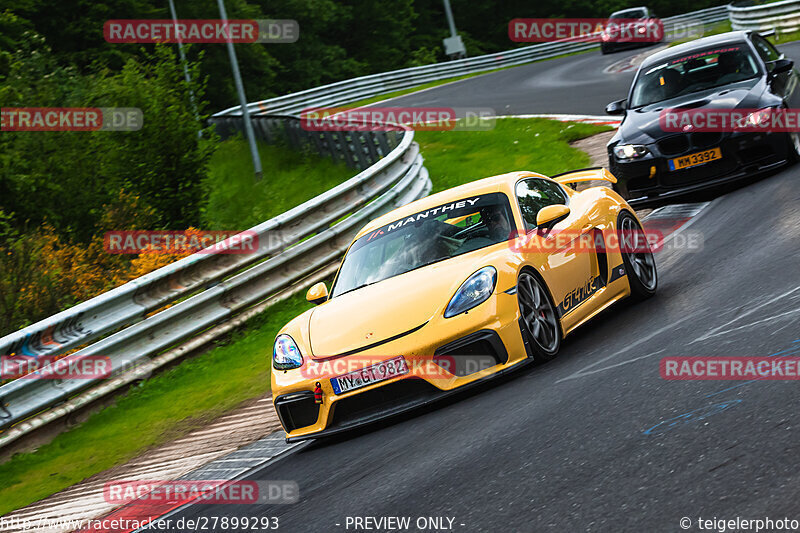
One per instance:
[(758, 119), (472, 292), (286, 355), (630, 151)]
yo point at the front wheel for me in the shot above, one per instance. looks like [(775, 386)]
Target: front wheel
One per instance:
[(640, 264), (793, 149), (619, 187), (539, 317)]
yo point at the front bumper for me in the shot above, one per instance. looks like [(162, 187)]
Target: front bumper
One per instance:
[(489, 333), (649, 180)]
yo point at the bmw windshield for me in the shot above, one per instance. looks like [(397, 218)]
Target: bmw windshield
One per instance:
[(426, 237), (694, 72)]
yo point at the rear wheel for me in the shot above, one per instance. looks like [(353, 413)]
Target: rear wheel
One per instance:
[(539, 317), (640, 264)]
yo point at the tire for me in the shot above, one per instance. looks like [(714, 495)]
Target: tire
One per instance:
[(618, 187), (640, 265), (540, 321), (793, 147)]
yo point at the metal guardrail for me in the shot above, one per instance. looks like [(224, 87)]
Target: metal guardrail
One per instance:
[(208, 289), (291, 247), (779, 16), (355, 89)]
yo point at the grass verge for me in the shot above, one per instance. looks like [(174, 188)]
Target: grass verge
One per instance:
[(783, 38), (238, 202), (202, 388), (714, 29), (539, 145)]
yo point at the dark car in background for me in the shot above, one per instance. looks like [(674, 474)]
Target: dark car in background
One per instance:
[(631, 28), (730, 71)]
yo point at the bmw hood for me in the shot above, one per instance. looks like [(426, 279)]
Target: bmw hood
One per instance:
[(641, 125), (388, 309)]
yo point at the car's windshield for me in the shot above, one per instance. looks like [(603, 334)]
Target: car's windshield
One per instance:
[(629, 14), (693, 72), (425, 237)]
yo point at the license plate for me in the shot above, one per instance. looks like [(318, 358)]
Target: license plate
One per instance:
[(692, 160), (391, 368)]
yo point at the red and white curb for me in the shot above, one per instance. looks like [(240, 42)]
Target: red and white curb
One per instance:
[(585, 119), (208, 451), (234, 466)]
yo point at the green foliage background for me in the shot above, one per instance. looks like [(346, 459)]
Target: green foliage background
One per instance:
[(339, 39)]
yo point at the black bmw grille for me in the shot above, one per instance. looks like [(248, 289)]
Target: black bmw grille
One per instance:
[(705, 139), (677, 144)]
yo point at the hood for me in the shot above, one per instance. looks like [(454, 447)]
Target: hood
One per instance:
[(641, 125), (390, 308)]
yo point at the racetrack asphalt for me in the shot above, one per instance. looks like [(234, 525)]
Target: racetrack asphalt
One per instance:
[(576, 84), (595, 440)]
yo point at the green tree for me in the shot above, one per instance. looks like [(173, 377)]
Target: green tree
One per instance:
[(67, 177)]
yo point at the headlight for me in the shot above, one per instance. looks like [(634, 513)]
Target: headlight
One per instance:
[(286, 355), (758, 119), (630, 151), (472, 292)]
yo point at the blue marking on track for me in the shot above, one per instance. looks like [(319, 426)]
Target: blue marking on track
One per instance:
[(783, 353), (704, 412), (696, 415)]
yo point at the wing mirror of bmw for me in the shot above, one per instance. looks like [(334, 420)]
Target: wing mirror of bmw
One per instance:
[(780, 65), (549, 216), (617, 108), (317, 294)]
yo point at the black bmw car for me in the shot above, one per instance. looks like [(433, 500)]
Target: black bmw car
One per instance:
[(734, 70)]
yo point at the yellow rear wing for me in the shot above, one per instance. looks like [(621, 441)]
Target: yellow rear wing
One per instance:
[(584, 174)]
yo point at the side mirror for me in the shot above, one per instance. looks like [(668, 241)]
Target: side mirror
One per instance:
[(780, 66), (617, 108), (551, 215), (317, 294)]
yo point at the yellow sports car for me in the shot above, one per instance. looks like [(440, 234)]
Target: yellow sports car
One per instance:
[(455, 288)]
